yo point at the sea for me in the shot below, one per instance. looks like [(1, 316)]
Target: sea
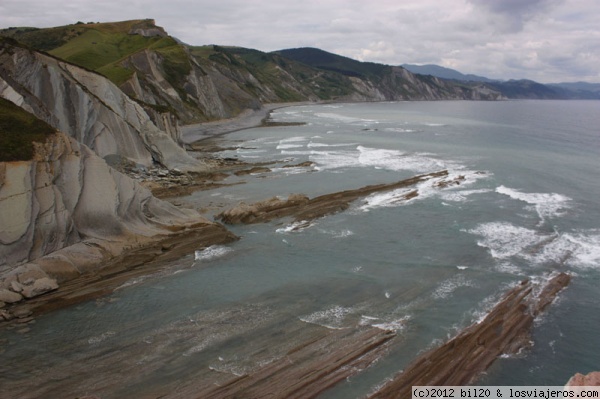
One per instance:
[(427, 267)]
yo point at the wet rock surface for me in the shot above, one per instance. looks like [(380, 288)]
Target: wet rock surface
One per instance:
[(505, 330), (302, 208)]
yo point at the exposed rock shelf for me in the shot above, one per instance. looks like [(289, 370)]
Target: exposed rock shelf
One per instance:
[(309, 369), (304, 209), (462, 359)]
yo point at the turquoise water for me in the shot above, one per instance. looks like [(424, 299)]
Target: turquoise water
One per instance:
[(427, 267)]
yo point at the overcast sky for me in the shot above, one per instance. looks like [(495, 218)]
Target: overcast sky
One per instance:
[(543, 40)]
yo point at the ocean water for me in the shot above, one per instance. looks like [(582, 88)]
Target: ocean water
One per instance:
[(427, 267)]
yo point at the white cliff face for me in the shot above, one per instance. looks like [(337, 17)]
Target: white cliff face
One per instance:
[(65, 212), (87, 107), (67, 194)]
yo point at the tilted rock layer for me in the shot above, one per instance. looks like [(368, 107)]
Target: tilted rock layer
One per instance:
[(66, 210), (89, 108)]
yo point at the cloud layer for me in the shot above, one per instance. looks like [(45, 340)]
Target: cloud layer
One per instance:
[(543, 40)]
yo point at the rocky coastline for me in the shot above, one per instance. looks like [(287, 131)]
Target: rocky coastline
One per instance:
[(324, 361)]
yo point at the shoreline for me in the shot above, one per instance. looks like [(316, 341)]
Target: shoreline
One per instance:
[(248, 119)]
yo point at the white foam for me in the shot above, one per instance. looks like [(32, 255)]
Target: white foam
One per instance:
[(341, 118), (462, 195), (291, 142), (394, 325), (313, 144), (504, 240), (546, 205), (398, 130), (579, 249), (447, 288), (332, 318), (294, 227), (425, 189), (388, 199), (212, 252), (289, 146), (397, 160)]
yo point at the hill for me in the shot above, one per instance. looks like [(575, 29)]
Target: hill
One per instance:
[(444, 73), (514, 89), (202, 83)]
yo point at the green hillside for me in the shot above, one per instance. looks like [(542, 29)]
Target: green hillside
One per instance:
[(100, 47), (18, 131), (321, 59)]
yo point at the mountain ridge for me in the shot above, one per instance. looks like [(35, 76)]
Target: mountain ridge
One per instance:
[(515, 88)]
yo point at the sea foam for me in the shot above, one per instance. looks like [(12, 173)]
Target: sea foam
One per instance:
[(212, 252), (546, 205)]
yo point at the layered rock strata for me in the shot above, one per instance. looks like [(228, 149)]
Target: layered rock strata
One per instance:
[(65, 212), (462, 359), (89, 108), (304, 209)]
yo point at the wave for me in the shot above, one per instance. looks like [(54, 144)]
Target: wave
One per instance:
[(504, 240), (294, 227), (447, 288), (463, 195), (212, 252), (332, 318), (342, 118), (423, 190), (546, 205), (579, 249), (399, 130), (396, 160)]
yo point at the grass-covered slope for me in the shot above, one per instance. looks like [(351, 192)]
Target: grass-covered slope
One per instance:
[(100, 47), (18, 131), (328, 61)]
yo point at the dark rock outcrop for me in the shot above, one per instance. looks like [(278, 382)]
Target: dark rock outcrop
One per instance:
[(304, 209)]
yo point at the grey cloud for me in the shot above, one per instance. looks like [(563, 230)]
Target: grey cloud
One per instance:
[(542, 40), (512, 15)]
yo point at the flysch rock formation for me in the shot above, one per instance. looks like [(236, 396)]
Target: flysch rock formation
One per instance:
[(305, 210), (89, 108), (66, 212), (504, 330)]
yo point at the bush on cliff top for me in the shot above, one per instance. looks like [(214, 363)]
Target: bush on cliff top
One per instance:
[(18, 131)]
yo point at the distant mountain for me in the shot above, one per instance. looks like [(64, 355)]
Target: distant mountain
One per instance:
[(385, 82), (578, 90), (578, 86), (444, 73), (514, 89)]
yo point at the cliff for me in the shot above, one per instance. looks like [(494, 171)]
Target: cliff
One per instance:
[(89, 108), (65, 212), (202, 83)]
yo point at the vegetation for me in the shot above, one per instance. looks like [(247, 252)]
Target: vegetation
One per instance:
[(18, 131), (332, 62)]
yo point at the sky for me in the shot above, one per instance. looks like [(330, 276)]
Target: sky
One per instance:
[(542, 40)]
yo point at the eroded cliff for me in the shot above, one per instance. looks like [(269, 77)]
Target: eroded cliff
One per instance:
[(65, 212), (89, 108)]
